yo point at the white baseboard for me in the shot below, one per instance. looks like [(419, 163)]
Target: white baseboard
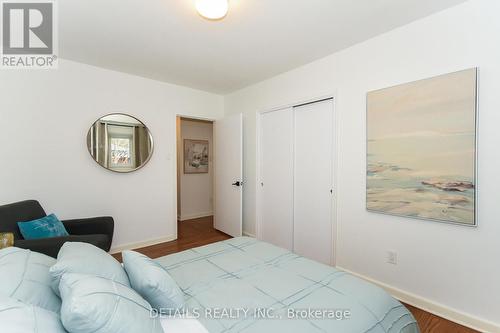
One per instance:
[(248, 234), (132, 246), (195, 216), (437, 309)]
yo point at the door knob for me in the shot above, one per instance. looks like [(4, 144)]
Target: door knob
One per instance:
[(238, 183)]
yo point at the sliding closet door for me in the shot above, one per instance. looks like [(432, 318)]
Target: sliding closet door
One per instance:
[(276, 178), (313, 181)]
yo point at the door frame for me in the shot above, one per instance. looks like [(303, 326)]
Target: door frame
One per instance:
[(335, 164), (174, 161)]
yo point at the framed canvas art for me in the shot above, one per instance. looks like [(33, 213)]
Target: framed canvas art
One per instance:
[(421, 149), (195, 156)]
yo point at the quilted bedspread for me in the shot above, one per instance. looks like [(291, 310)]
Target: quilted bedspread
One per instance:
[(244, 285)]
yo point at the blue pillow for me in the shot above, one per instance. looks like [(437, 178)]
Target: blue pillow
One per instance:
[(46, 227), (16, 316), (24, 275), (84, 258), (92, 304), (153, 282)]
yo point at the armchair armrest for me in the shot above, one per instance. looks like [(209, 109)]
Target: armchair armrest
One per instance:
[(51, 246), (94, 225), (48, 246)]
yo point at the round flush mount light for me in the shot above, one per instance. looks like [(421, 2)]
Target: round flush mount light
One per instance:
[(212, 9)]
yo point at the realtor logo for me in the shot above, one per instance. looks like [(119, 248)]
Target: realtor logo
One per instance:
[(28, 34)]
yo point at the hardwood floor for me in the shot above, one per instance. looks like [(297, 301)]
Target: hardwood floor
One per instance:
[(430, 323), (198, 232), (191, 233)]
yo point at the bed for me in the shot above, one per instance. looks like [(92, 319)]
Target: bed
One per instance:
[(244, 285)]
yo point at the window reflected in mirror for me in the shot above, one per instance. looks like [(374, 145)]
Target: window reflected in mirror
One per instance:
[(119, 142)]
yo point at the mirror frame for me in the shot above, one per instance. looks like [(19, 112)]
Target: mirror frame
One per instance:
[(150, 135)]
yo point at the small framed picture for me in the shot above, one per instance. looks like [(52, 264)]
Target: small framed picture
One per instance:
[(196, 156)]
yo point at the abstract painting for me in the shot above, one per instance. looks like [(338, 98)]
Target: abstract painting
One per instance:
[(195, 156), (421, 149)]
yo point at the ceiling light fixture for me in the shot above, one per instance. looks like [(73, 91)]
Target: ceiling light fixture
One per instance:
[(212, 9)]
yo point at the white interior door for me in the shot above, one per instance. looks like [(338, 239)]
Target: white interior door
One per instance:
[(228, 140), (276, 178), (313, 181)]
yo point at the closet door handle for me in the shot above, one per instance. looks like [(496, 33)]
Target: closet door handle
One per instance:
[(238, 183)]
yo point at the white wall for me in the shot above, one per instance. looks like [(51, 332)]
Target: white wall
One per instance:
[(45, 116), (454, 266), (196, 190)]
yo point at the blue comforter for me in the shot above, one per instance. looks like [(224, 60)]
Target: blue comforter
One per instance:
[(244, 285)]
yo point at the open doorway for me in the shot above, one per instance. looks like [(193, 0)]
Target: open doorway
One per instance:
[(195, 170), (209, 175)]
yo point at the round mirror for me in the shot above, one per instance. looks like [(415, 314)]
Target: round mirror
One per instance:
[(120, 143)]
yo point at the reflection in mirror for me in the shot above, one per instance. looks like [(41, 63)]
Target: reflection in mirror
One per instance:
[(119, 142)]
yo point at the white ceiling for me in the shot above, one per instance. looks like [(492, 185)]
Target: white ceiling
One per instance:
[(167, 40)]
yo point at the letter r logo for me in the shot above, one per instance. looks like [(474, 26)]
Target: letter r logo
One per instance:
[(27, 28)]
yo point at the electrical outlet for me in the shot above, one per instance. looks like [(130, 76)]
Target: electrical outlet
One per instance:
[(392, 257)]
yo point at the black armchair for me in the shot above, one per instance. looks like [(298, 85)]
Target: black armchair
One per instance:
[(97, 230)]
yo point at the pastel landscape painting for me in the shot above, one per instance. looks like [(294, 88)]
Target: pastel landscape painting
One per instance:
[(421, 149)]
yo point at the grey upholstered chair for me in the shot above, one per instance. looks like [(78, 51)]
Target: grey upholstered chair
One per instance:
[(97, 230)]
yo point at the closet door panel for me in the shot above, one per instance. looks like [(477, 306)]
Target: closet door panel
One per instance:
[(276, 183), (313, 181)]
